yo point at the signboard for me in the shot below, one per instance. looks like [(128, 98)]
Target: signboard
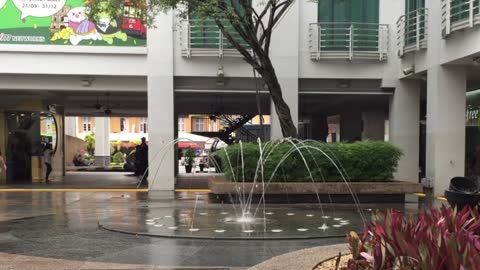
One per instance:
[(73, 22), (472, 114)]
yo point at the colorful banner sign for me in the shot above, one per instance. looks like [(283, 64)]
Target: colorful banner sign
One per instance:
[(73, 22)]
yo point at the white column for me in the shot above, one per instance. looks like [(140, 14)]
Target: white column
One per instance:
[(102, 141), (405, 128), (373, 126), (446, 104), (70, 126), (285, 60), (161, 104)]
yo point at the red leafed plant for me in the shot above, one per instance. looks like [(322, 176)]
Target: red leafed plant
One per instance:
[(436, 239)]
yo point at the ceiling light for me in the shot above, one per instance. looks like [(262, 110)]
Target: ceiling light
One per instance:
[(344, 84), (220, 76), (87, 81), (409, 70), (476, 61)]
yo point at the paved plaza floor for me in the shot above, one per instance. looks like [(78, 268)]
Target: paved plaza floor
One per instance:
[(60, 230)]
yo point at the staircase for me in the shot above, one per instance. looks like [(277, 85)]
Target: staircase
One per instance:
[(236, 125)]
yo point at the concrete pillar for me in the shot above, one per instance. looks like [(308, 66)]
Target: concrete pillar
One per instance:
[(285, 60), (351, 126), (175, 135), (161, 104), (405, 128), (319, 126), (373, 126), (102, 141), (3, 144), (446, 105), (71, 126), (58, 161)]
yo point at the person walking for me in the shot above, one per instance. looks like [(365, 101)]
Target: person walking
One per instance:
[(47, 159), (3, 165)]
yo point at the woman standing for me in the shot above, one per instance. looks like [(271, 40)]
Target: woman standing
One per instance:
[(47, 159)]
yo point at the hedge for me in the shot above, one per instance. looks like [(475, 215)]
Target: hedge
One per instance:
[(365, 161)]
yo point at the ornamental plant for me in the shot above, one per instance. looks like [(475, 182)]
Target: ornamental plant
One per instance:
[(190, 157), (307, 161), (437, 239)]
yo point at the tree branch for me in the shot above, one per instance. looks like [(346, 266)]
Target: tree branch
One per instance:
[(241, 49), (283, 8), (267, 34)]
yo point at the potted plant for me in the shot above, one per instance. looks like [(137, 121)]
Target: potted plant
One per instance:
[(189, 160)]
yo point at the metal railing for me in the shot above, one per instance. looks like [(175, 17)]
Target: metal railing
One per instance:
[(412, 31), (348, 41), (204, 38), (459, 14)]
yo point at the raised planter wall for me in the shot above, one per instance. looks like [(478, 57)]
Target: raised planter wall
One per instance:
[(223, 190)]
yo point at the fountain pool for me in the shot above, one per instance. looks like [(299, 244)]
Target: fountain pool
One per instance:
[(277, 222)]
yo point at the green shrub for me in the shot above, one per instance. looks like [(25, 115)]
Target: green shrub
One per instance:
[(358, 162), (118, 158)]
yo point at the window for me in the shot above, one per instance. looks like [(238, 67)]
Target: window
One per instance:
[(204, 33), (87, 124), (460, 9), (181, 124), (199, 124), (143, 125), (348, 11), (414, 8), (337, 17), (50, 123), (123, 124)]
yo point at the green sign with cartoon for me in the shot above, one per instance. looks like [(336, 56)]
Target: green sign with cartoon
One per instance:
[(73, 22)]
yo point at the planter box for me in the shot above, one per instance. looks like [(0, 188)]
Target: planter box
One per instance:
[(276, 192)]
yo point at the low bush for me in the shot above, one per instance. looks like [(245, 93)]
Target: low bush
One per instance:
[(437, 239), (118, 157), (311, 161)]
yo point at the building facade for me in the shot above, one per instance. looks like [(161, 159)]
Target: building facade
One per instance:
[(349, 70)]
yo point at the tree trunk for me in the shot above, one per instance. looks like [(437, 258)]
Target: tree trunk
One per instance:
[(281, 107)]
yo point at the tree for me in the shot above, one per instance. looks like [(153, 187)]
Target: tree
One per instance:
[(90, 143), (249, 30)]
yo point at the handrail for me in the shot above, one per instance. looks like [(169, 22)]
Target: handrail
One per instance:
[(459, 14), (348, 40), (202, 37), (412, 31)]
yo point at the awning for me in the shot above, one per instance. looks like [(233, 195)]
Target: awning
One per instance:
[(189, 145)]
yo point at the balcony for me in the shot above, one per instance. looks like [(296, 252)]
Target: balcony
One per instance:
[(204, 38), (412, 30), (348, 41), (459, 14)]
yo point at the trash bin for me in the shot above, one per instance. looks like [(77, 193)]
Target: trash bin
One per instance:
[(462, 192), (463, 185)]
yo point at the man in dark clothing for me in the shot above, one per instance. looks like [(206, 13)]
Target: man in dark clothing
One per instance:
[(137, 160), (142, 160)]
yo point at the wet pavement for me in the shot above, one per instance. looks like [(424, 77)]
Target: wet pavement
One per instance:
[(91, 180), (63, 228)]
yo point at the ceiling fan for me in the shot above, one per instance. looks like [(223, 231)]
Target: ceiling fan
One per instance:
[(104, 107)]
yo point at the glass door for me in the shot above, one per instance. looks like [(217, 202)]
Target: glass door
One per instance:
[(27, 134)]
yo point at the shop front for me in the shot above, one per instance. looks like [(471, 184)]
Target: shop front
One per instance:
[(472, 142), (26, 133)]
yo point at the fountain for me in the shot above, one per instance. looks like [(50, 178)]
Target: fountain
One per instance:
[(245, 218)]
